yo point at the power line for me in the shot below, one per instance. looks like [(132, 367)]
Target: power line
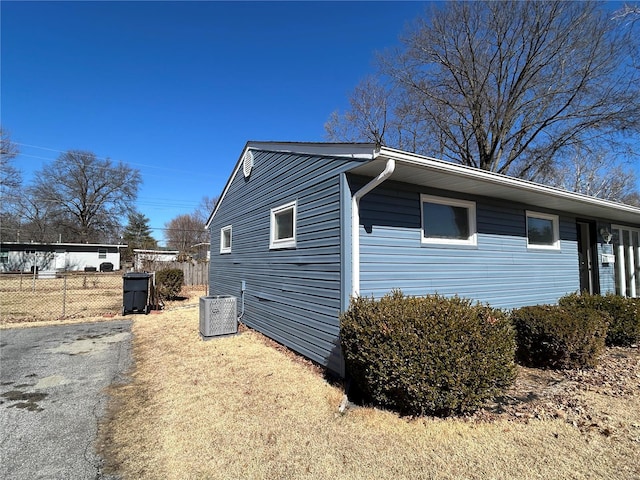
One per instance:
[(145, 165), (87, 151), (100, 167)]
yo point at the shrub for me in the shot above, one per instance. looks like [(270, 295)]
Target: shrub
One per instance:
[(169, 282), (624, 313), (427, 355), (559, 337)]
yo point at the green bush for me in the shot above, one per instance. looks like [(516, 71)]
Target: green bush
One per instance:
[(551, 336), (169, 283), (427, 355), (624, 313)]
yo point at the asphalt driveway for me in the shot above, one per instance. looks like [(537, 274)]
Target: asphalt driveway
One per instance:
[(52, 396)]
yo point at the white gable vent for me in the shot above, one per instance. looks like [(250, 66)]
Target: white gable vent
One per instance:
[(247, 163)]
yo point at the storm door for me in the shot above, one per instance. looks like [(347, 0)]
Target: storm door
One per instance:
[(588, 254), (626, 246)]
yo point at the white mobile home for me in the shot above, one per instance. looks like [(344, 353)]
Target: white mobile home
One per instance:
[(25, 257)]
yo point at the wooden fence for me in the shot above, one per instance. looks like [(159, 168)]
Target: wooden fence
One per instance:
[(195, 273)]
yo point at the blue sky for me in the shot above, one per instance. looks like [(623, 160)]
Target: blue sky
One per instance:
[(175, 89)]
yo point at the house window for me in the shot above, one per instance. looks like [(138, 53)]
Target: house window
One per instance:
[(225, 239), (283, 226), (542, 231), (102, 253), (4, 256), (446, 221)]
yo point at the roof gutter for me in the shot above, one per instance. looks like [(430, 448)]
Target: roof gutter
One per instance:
[(503, 180), (355, 223)]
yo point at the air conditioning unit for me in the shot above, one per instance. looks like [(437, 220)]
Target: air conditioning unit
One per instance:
[(218, 315)]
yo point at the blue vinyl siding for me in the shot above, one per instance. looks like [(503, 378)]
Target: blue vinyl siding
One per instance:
[(295, 295), (292, 295), (500, 270)]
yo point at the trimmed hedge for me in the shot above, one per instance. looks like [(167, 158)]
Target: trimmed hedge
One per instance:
[(169, 283), (551, 336), (624, 313), (427, 355)]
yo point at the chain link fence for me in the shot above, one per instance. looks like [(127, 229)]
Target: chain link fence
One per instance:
[(35, 297)]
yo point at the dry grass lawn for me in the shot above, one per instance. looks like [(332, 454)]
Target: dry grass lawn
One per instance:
[(238, 408), (25, 298), (28, 298)]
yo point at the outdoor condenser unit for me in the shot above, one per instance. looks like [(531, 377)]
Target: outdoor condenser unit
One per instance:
[(218, 315)]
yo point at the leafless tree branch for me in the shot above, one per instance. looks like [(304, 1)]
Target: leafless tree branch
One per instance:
[(511, 87)]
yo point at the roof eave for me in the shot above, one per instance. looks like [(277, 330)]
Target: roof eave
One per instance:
[(362, 151), (601, 207)]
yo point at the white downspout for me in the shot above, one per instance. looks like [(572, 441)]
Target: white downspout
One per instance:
[(355, 224)]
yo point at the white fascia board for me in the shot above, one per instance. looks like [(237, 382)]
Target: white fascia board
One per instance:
[(502, 180), (227, 185), (363, 151), (371, 152)]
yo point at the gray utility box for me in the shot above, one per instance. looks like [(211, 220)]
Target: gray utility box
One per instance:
[(218, 315)]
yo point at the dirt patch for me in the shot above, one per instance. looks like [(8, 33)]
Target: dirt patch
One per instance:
[(576, 396)]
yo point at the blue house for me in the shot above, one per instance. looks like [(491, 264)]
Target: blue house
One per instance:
[(300, 228)]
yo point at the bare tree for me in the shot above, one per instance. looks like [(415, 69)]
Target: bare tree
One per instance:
[(10, 177), (36, 222), (628, 17), (184, 232), (632, 199), (89, 196), (10, 182), (204, 209), (596, 174), (628, 12), (368, 118), (510, 87)]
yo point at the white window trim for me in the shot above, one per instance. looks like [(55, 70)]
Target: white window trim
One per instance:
[(283, 242), (556, 230), (471, 240), (224, 249)]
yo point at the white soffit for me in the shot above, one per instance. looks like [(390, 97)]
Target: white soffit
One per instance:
[(417, 170)]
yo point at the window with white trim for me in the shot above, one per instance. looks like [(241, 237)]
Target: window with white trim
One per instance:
[(4, 256), (102, 253), (447, 221), (283, 226), (225, 239), (543, 231)]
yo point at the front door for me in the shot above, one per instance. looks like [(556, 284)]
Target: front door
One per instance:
[(588, 254)]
